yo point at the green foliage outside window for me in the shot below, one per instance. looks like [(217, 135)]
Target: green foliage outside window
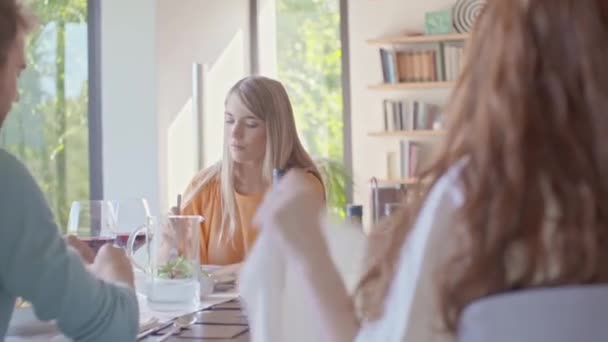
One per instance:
[(310, 65), (48, 128)]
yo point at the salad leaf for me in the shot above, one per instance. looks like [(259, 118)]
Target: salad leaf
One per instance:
[(176, 268)]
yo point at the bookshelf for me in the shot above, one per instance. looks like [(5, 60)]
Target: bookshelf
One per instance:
[(413, 63), (407, 134), (418, 39), (411, 85)]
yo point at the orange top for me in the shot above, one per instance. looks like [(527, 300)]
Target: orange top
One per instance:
[(217, 250)]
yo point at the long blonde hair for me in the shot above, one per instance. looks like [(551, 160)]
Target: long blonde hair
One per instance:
[(267, 99), (529, 115)]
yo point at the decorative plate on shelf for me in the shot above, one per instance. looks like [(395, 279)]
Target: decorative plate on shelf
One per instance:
[(464, 14)]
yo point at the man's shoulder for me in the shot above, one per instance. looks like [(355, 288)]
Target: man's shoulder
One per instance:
[(14, 175), (11, 165)]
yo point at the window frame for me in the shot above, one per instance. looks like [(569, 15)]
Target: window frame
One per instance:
[(94, 105)]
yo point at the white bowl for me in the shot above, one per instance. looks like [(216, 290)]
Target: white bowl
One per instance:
[(206, 284)]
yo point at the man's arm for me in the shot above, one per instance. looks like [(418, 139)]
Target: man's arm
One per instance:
[(36, 264)]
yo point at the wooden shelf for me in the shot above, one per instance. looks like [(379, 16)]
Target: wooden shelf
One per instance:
[(408, 181), (412, 85), (405, 39), (410, 134)]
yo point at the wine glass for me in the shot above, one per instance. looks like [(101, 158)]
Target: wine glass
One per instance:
[(131, 215), (93, 222)]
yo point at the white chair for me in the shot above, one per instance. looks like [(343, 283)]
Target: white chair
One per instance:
[(561, 314)]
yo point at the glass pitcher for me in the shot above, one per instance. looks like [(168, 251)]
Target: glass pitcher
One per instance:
[(172, 261)]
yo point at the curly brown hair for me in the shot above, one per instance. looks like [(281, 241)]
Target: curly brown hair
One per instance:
[(529, 116)]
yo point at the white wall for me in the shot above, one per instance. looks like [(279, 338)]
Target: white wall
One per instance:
[(129, 109), (214, 32), (219, 78), (369, 19)]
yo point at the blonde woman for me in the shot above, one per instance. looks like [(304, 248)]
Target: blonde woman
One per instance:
[(517, 198), (259, 136)]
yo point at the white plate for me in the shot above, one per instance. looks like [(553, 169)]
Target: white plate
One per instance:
[(210, 268), (24, 323)]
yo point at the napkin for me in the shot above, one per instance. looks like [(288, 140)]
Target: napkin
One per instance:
[(271, 289)]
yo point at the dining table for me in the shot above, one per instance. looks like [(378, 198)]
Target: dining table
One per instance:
[(219, 317), (222, 322)]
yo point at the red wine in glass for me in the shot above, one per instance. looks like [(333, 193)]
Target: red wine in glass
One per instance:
[(96, 242), (121, 240)]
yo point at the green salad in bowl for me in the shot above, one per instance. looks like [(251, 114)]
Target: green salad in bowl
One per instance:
[(176, 268)]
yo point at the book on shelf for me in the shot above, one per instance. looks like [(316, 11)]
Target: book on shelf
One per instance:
[(439, 63), (433, 62), (389, 68), (414, 155), (404, 153), (453, 60), (414, 151), (416, 66), (410, 115)]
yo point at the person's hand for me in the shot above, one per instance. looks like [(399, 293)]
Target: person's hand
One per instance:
[(86, 253), (292, 211), (112, 265)]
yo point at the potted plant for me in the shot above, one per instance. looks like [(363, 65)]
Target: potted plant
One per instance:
[(337, 180)]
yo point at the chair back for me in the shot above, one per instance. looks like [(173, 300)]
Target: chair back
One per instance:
[(561, 314)]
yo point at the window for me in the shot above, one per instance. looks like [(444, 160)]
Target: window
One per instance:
[(48, 128), (309, 63)]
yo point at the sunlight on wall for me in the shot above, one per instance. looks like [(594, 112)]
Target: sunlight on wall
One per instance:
[(183, 138), (219, 78), (183, 150)]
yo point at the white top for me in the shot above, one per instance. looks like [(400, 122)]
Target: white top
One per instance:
[(272, 288), (278, 311), (412, 310)]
